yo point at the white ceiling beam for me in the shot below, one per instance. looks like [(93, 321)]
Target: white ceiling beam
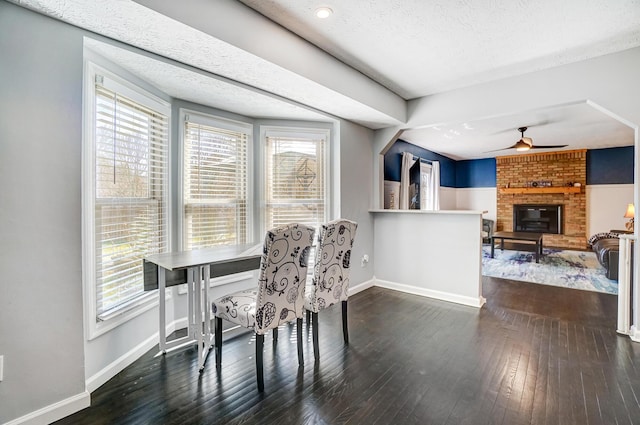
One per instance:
[(238, 25)]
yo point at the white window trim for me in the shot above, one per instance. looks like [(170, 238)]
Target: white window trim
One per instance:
[(227, 124), (95, 327), (303, 132)]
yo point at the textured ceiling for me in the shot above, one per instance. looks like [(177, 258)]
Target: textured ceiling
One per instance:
[(139, 26), (418, 47), (579, 126), (200, 88), (413, 47)]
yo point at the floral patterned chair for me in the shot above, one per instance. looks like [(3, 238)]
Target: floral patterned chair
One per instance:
[(279, 297), (331, 274)]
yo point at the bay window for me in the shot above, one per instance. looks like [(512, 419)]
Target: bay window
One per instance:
[(126, 174), (215, 181), (296, 176)]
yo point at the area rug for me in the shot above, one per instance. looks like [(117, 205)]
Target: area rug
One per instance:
[(569, 269)]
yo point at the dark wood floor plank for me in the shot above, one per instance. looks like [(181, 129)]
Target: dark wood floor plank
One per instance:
[(384, 404), (534, 354)]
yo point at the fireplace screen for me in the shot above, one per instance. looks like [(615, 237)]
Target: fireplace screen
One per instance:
[(537, 218)]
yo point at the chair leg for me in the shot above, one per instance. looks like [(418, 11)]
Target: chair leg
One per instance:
[(218, 341), (299, 332), (308, 317), (316, 349), (259, 371), (345, 328)]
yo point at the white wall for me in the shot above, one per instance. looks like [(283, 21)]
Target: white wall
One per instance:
[(430, 253), (606, 205), (356, 171), (480, 199), (41, 317), (448, 198)]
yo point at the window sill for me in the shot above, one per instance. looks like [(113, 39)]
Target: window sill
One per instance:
[(118, 316)]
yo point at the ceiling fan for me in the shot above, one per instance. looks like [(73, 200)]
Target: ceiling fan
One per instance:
[(526, 143)]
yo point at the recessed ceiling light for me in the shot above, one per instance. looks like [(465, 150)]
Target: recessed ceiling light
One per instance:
[(323, 12)]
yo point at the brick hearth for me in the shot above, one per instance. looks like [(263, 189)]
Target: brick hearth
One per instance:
[(558, 167)]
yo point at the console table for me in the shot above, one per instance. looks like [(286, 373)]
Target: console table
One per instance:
[(527, 237), (192, 268)]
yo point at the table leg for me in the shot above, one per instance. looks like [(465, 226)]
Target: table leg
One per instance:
[(539, 254), (162, 328), (493, 246), (190, 304), (197, 289), (541, 245), (163, 344), (207, 306)]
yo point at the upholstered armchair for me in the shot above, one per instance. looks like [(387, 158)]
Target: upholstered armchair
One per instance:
[(279, 297), (331, 274), (487, 230)]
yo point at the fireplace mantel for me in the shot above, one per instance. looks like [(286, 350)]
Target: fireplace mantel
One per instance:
[(552, 189), (515, 172)]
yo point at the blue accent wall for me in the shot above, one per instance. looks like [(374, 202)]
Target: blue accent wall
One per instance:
[(604, 166), (393, 162), (610, 166), (476, 173)]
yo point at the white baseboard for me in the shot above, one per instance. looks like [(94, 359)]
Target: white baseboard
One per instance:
[(634, 334), (361, 287), (115, 367), (112, 369), (71, 405), (55, 411), (438, 295)]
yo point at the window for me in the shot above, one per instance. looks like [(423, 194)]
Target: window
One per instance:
[(296, 177), (424, 186), (215, 182), (126, 181)]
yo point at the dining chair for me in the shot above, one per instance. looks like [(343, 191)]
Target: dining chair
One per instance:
[(330, 283), (279, 296)]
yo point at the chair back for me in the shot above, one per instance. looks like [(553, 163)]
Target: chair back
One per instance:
[(283, 275), (333, 263)]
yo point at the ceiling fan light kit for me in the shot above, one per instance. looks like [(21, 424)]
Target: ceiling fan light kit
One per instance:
[(522, 146), (526, 143)]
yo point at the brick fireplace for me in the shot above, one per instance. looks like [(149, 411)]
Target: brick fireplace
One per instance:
[(514, 175)]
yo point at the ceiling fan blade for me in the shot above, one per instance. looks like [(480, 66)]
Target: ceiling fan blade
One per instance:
[(532, 125), (503, 149), (548, 146), (532, 147), (506, 130)]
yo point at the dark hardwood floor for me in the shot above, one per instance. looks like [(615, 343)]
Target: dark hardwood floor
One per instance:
[(534, 354)]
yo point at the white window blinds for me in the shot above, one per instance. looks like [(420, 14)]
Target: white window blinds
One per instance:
[(296, 178), (130, 189), (214, 184)]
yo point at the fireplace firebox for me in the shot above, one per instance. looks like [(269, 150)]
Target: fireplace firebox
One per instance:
[(537, 218)]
